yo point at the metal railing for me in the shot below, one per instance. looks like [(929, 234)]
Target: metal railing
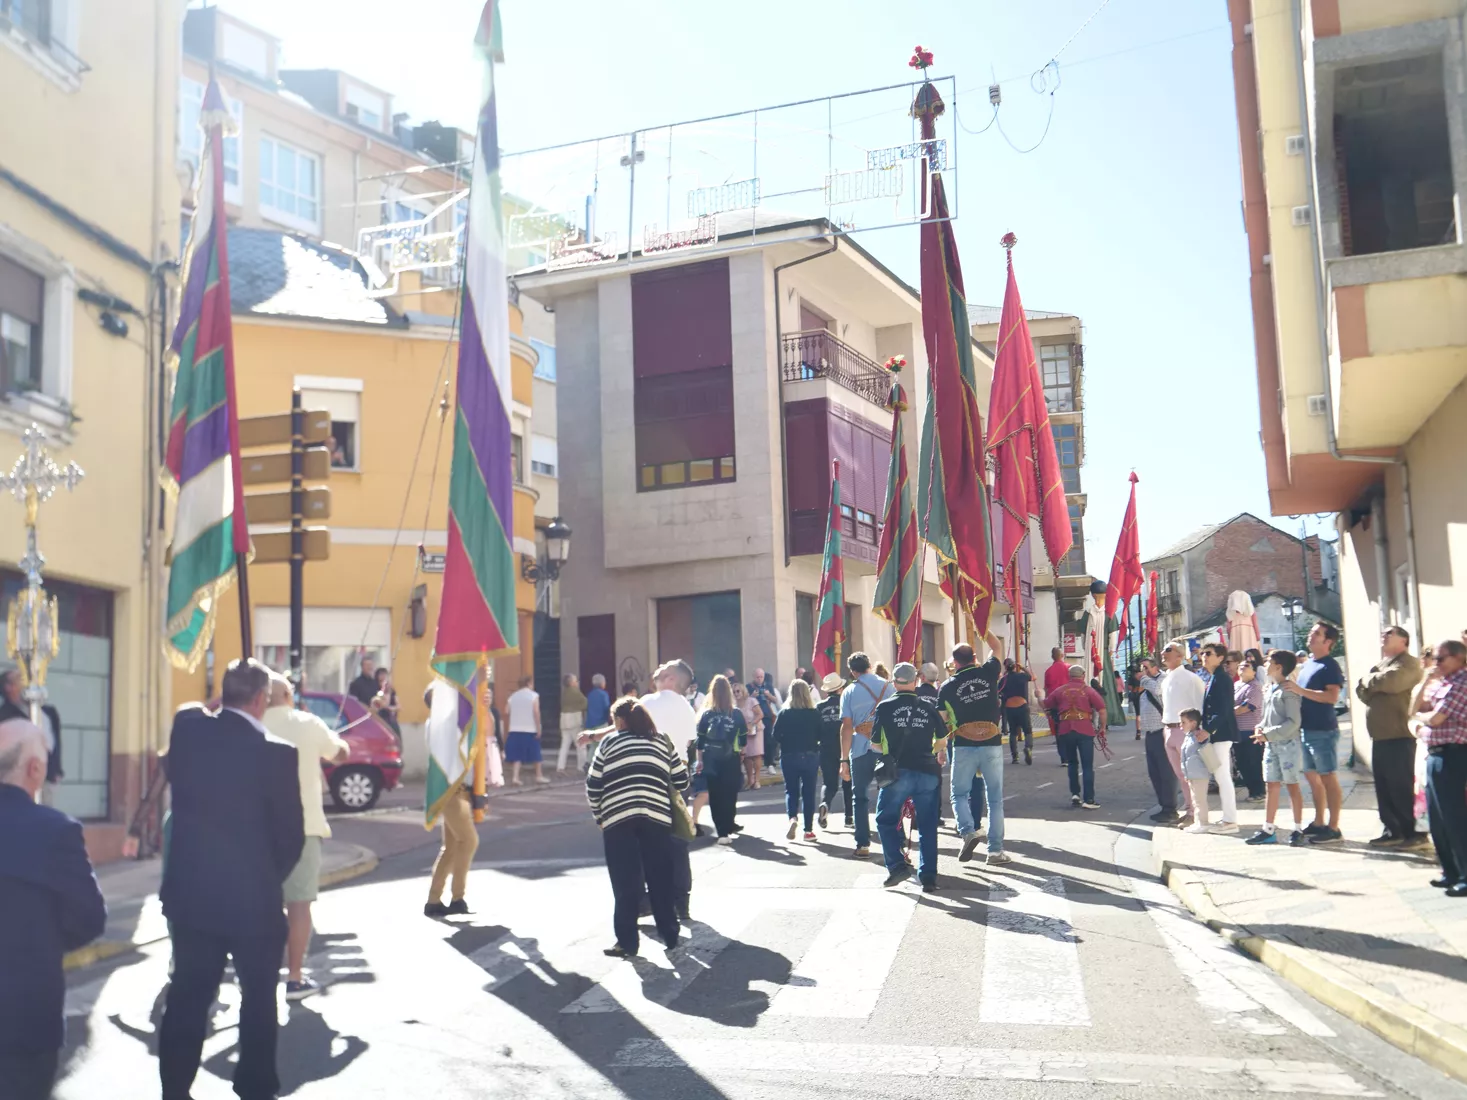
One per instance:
[(816, 353), (1168, 601)]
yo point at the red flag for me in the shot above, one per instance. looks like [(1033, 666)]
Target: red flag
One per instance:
[(830, 625), (952, 500), (1126, 574), (1152, 626), (1026, 480)]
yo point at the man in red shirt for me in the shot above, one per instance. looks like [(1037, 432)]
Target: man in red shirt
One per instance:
[(1056, 676), (1081, 711), (1441, 724)]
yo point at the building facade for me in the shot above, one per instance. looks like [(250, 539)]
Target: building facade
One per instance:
[(1352, 119), (1059, 588), (703, 396), (88, 226)]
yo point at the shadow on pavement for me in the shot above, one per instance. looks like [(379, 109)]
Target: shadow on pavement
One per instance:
[(309, 1050)]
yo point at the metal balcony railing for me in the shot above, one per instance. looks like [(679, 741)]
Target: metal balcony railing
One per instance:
[(816, 353), (1168, 601)]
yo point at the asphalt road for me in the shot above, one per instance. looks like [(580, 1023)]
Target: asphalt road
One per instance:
[(1068, 973)]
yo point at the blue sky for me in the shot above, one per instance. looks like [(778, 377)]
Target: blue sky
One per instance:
[(1128, 212)]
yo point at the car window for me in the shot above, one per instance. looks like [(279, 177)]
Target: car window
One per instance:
[(328, 710)]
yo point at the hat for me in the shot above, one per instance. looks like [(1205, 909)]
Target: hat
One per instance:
[(904, 673), (833, 681)]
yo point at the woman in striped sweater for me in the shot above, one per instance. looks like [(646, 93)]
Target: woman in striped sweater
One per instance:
[(629, 786)]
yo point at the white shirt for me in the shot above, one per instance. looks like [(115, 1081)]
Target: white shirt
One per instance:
[(672, 716), (522, 710), (1180, 690), (314, 742)]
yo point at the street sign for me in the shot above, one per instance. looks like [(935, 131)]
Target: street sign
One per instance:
[(274, 430), (275, 547), (275, 507), (274, 466), (433, 563)]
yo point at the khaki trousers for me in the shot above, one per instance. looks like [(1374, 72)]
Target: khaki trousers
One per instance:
[(460, 840)]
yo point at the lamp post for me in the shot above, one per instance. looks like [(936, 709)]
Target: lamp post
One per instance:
[(557, 552), (1293, 608), (33, 628)]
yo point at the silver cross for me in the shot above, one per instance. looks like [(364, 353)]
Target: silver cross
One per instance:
[(35, 472)]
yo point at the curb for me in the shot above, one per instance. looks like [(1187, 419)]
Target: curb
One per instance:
[(364, 862), (1435, 1042)]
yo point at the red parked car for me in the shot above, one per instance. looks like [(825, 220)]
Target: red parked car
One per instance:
[(375, 763)]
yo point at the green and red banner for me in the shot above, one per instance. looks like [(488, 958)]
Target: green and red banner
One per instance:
[(898, 598), (830, 614)]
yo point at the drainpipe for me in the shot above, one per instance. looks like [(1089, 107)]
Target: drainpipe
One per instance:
[(784, 466), (1382, 558), (1322, 303)]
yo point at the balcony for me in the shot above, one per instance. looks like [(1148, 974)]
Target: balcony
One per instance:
[(1168, 602), (816, 353)]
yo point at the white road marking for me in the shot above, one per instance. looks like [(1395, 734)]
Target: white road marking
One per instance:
[(1043, 785), (1031, 965), (1190, 1073), (844, 969), (1107, 764), (538, 864), (643, 982), (1229, 984)]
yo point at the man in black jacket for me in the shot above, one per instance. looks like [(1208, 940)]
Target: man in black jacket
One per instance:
[(237, 832), (1221, 723), (49, 904), (15, 706)]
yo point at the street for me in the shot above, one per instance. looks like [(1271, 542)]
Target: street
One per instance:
[(1069, 973)]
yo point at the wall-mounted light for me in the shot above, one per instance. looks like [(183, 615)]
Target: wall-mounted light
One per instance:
[(557, 552), (112, 324)]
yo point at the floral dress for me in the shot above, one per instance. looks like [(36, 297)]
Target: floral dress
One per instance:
[(754, 718)]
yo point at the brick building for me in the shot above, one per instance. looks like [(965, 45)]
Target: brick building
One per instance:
[(1244, 553)]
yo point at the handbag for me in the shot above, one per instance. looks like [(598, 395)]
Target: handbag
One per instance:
[(886, 772), (682, 823), (1210, 756)]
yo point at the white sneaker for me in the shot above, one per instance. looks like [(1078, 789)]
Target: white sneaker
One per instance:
[(1198, 827), (789, 834), (1225, 827), (995, 858), (725, 840)]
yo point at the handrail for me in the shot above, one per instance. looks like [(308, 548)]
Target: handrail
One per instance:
[(818, 353)]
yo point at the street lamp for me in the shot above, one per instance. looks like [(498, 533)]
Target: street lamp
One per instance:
[(1293, 608), (557, 551), (33, 627)]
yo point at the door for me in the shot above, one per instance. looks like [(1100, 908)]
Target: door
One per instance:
[(597, 636)]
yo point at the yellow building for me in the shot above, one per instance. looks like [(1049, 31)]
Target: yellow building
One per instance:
[(88, 212), (1353, 131)]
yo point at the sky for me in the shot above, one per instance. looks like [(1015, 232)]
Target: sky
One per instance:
[(1128, 211)]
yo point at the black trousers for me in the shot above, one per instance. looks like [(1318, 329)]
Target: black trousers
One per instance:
[(27, 1075), (1017, 720), (724, 783), (638, 852), (198, 966), (1446, 801), (1394, 765), (831, 782), (1249, 758), (1159, 769)]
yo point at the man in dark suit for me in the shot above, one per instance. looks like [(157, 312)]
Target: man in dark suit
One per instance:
[(49, 904), (237, 832), (15, 706)]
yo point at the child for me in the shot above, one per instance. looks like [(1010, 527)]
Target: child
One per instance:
[(1194, 768), (1283, 753)]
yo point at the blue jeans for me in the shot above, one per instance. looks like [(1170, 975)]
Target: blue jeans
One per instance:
[(1446, 779), (863, 768), (969, 762), (1079, 752), (921, 788), (800, 769)]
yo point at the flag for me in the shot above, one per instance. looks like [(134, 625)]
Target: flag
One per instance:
[(1152, 625), (1126, 578), (477, 619), (898, 598), (1026, 470), (830, 614), (201, 462), (951, 496)]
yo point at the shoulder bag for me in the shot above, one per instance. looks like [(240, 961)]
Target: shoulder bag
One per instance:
[(682, 824)]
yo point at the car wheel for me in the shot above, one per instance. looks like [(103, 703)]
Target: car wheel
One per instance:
[(355, 789)]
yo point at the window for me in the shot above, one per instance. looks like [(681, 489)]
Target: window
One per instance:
[(342, 398), (290, 186), (706, 631), (1059, 389), (517, 458), (932, 642), (22, 304), (31, 17), (1066, 442), (694, 471), (1073, 564), (367, 108), (1393, 160), (245, 50), (37, 303), (335, 641), (545, 364), (865, 526), (544, 455), (191, 136), (805, 611), (402, 212), (44, 33)]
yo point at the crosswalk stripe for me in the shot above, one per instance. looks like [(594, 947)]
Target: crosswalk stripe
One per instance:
[(1031, 967), (844, 969), (646, 982)]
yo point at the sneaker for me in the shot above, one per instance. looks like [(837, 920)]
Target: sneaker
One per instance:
[(997, 858), (1074, 800), (737, 828), (1385, 840), (1225, 827), (1198, 827), (850, 822), (435, 909), (824, 813), (1165, 816), (725, 840), (789, 834), (1028, 757), (1090, 805), (929, 887), (809, 836), (970, 842), (1256, 799), (1297, 839), (863, 853), (1327, 836), (1415, 842), (1263, 836), (543, 781), (900, 875), (299, 991), (1311, 829), (619, 952)]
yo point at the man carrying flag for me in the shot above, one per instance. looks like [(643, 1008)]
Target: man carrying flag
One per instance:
[(898, 597), (476, 618)]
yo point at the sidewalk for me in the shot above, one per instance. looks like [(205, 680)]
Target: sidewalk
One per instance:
[(135, 916), (1357, 928)]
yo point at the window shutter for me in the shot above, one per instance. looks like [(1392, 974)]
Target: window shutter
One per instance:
[(22, 292)]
